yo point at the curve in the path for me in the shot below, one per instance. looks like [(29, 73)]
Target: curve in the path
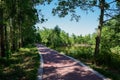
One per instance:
[(60, 67)]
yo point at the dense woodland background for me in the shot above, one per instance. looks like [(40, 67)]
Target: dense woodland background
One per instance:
[(17, 20), (17, 30)]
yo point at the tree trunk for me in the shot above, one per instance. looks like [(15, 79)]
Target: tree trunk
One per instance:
[(6, 42), (2, 42), (13, 35), (2, 34), (98, 37), (20, 44)]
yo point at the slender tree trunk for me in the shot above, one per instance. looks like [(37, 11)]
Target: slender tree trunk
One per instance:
[(98, 37), (2, 34), (2, 42), (13, 36), (0, 31), (6, 42), (20, 34)]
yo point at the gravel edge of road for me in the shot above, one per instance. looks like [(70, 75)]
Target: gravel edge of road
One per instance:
[(40, 70)]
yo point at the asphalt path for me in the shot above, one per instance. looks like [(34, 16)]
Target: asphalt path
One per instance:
[(55, 66)]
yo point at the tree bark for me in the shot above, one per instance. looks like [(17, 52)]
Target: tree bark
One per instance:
[(2, 34), (2, 42), (98, 37)]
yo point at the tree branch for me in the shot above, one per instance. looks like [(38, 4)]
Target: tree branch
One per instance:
[(108, 15), (112, 2), (92, 5), (109, 19), (112, 9)]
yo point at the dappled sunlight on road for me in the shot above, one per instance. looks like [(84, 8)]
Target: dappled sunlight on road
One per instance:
[(60, 67)]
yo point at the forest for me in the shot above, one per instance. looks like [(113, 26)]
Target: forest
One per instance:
[(18, 36)]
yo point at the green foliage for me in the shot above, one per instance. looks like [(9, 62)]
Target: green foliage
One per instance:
[(78, 52), (54, 37), (81, 52), (65, 7), (22, 65), (87, 39), (110, 44), (57, 37), (17, 20)]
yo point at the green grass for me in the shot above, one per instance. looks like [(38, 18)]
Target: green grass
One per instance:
[(106, 71), (22, 65)]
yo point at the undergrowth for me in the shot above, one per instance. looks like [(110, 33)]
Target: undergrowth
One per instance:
[(22, 65)]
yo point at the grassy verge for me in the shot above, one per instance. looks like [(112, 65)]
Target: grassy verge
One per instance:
[(108, 72), (22, 65)]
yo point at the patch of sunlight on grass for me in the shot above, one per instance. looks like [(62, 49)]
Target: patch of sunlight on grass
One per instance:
[(7, 70), (13, 58), (29, 69), (22, 65), (24, 49)]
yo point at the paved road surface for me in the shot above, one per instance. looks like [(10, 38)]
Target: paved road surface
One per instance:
[(59, 67)]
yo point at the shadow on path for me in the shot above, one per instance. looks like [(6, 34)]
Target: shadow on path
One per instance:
[(60, 67)]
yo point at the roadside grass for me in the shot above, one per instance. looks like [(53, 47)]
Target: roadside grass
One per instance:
[(106, 71), (22, 65)]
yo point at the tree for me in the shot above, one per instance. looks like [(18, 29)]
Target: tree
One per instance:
[(65, 7), (54, 37), (17, 20), (65, 39), (110, 53), (2, 37)]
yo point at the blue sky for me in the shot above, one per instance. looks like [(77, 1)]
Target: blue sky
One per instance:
[(86, 25)]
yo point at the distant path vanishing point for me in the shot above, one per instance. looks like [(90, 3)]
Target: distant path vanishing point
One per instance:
[(55, 66)]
